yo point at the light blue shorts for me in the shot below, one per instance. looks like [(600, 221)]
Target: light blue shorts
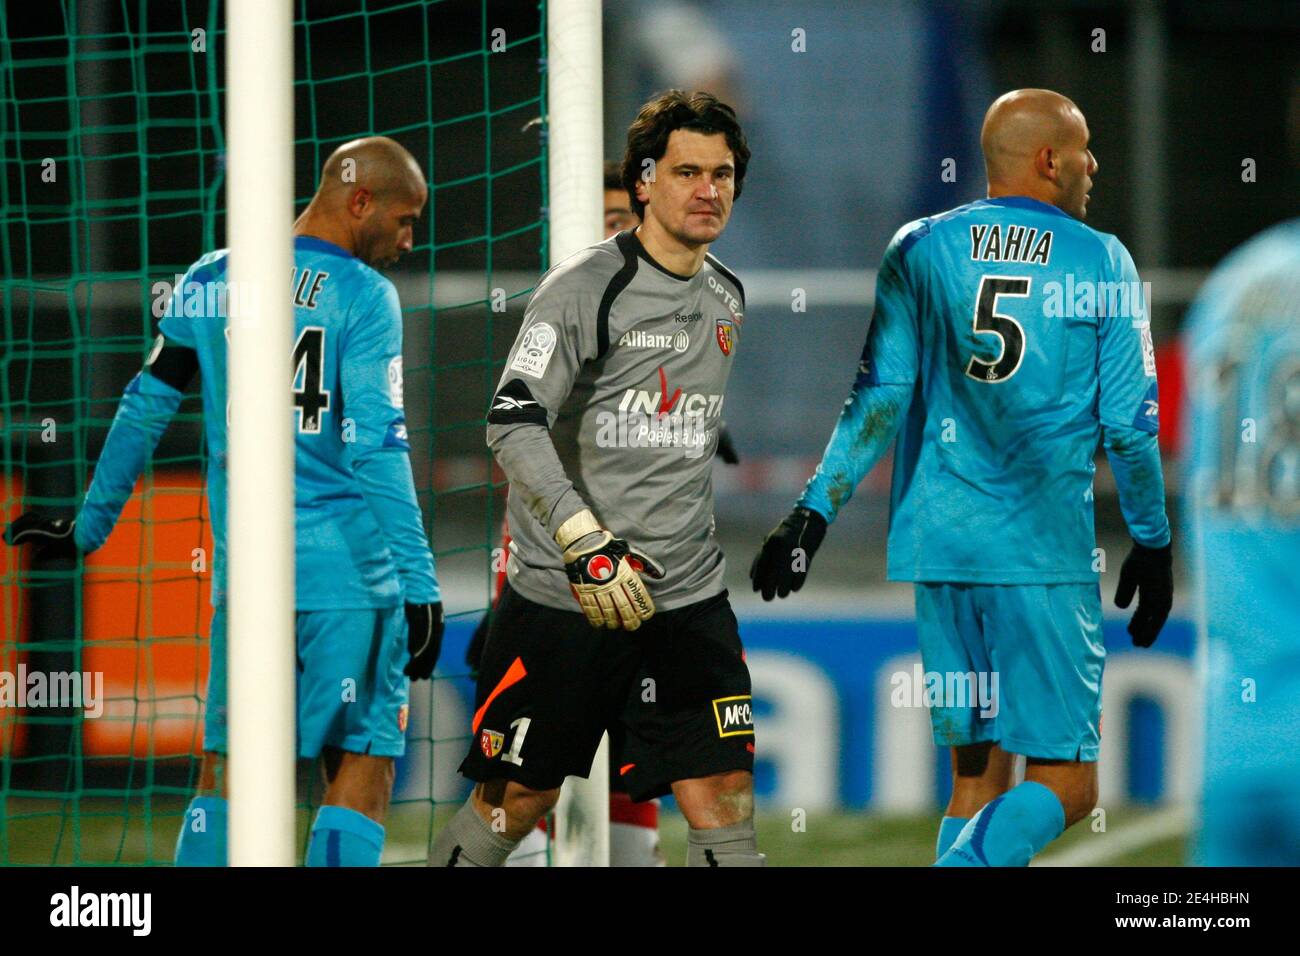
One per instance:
[(352, 693), (1036, 652)]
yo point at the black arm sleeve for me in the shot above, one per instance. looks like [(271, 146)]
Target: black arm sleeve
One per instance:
[(174, 364)]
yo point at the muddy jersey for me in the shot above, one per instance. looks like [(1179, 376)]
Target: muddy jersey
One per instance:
[(612, 399)]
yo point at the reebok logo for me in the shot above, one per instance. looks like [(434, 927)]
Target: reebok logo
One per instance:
[(514, 404), (506, 403)]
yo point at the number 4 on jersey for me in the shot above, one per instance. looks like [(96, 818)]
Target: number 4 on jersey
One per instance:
[(310, 398)]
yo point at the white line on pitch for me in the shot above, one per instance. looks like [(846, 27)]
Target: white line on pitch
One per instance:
[(1102, 847)]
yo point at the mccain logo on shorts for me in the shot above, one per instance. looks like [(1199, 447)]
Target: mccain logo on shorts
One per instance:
[(735, 716)]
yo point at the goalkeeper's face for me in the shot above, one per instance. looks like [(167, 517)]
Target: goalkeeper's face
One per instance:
[(1075, 167), (388, 231), (692, 187)]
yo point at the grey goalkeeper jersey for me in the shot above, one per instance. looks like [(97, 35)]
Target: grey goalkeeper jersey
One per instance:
[(612, 400)]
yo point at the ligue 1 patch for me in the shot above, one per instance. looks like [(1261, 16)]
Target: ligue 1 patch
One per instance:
[(490, 741), (1148, 351), (403, 717), (395, 382), (735, 716), (534, 352), (725, 340)]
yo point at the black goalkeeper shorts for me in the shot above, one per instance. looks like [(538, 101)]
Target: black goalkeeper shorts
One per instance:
[(674, 694)]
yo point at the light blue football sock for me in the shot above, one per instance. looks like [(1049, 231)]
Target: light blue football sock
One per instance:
[(343, 837), (1009, 829), (202, 840), (949, 827)]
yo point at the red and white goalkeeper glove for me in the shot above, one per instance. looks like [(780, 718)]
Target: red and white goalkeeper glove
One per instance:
[(604, 574)]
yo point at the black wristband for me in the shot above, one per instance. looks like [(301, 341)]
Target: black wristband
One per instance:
[(176, 365)]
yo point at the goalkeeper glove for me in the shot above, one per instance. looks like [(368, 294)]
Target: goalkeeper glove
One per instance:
[(424, 626), (604, 574), (51, 538), (781, 565), (1149, 572)]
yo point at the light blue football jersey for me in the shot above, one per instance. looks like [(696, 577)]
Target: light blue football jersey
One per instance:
[(1024, 339), (1242, 473), (347, 379)]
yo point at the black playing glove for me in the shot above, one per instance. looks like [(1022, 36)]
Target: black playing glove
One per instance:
[(424, 639), (781, 565), (1150, 573), (727, 448), (50, 537), (474, 652)]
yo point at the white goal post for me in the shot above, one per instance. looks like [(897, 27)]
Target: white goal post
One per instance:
[(259, 204), (259, 191), (575, 164)]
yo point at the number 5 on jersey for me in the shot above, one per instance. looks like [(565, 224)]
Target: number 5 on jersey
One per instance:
[(1009, 333)]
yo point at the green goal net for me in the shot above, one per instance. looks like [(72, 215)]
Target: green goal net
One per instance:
[(112, 156)]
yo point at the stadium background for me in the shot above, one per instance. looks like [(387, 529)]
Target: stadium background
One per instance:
[(850, 135)]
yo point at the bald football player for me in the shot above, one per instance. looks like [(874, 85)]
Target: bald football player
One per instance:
[(369, 613), (999, 385)]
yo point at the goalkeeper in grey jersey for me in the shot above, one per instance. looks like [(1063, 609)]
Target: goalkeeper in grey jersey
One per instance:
[(614, 615)]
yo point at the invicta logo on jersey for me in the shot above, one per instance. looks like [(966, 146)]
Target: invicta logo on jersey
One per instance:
[(664, 402), (678, 341), (667, 418), (735, 716)]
